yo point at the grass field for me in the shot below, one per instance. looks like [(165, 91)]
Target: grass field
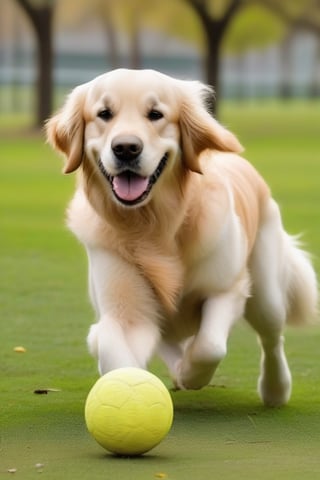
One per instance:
[(221, 432)]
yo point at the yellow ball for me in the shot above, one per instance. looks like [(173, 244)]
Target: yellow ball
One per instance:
[(129, 411)]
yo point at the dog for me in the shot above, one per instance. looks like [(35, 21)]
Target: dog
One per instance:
[(182, 235)]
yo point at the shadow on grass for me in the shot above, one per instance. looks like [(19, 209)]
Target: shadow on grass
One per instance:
[(221, 404)]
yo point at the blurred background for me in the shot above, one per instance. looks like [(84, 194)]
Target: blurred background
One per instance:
[(246, 49), (263, 59)]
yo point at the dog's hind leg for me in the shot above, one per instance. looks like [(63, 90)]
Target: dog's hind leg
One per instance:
[(274, 384), (284, 290), (266, 310)]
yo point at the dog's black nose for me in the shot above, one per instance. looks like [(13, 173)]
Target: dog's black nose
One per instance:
[(126, 147)]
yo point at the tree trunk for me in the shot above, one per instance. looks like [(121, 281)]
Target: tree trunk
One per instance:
[(45, 65), (285, 86), (41, 19), (214, 29), (113, 51), (134, 41), (314, 90), (212, 66)]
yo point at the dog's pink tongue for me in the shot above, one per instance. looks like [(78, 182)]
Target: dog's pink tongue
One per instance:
[(129, 186)]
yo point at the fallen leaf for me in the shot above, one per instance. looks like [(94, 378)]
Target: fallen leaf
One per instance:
[(45, 391), (20, 349)]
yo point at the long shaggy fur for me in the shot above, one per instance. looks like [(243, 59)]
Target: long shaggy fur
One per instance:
[(171, 272)]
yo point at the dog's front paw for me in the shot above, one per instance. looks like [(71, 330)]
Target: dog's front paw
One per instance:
[(187, 378)]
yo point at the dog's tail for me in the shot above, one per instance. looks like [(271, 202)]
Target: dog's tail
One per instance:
[(284, 283), (301, 284)]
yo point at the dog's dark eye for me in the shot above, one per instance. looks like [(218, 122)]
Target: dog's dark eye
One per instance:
[(155, 115), (105, 114)]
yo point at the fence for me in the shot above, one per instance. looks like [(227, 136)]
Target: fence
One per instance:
[(255, 74)]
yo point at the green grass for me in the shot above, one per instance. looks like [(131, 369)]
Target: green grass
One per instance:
[(221, 432)]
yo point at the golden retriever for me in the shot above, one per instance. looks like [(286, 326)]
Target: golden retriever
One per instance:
[(182, 235)]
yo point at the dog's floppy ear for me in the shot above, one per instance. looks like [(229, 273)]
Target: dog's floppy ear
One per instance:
[(65, 130), (199, 130)]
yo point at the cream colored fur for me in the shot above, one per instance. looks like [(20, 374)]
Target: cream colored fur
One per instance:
[(174, 272)]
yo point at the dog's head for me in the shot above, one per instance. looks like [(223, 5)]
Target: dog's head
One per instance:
[(134, 127)]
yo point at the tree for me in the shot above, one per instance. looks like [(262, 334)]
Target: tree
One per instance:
[(119, 19), (40, 14), (216, 16), (215, 23), (254, 27), (122, 15), (303, 15)]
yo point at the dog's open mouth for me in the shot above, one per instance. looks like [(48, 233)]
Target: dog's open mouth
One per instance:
[(129, 187)]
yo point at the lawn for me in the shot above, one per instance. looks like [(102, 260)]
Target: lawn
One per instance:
[(220, 432)]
